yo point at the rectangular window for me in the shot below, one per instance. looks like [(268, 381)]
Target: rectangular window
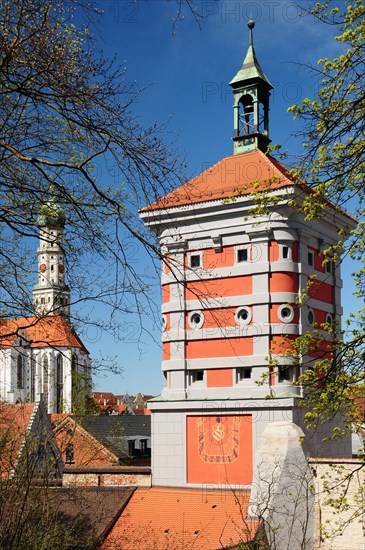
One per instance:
[(243, 373), (143, 446), (69, 459), (131, 447), (195, 260), (286, 374), (286, 250), (328, 266), (310, 259), (242, 255)]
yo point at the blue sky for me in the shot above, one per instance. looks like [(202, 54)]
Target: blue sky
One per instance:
[(186, 78)]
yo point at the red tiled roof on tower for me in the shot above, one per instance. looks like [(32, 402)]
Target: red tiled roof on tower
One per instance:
[(231, 177)]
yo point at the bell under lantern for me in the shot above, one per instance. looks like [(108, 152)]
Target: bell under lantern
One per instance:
[(251, 90)]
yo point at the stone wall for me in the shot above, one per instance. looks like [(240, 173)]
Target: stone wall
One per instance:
[(340, 504), (140, 477)]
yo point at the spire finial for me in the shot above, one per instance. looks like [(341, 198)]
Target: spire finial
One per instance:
[(251, 24)]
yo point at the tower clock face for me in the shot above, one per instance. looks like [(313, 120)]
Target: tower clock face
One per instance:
[(42, 268)]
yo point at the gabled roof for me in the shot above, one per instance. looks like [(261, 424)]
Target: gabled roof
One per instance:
[(14, 421), (88, 449), (232, 176), (25, 430), (167, 518), (50, 331)]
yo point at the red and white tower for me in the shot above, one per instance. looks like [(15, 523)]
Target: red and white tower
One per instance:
[(230, 283)]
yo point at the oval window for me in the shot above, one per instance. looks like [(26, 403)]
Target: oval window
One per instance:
[(310, 317)]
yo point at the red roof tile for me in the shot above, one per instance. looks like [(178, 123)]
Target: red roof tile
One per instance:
[(238, 175), (14, 420), (42, 332), (180, 519), (231, 177)]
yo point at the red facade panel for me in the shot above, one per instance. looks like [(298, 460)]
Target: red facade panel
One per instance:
[(219, 347), (219, 288), (219, 449), (219, 378)]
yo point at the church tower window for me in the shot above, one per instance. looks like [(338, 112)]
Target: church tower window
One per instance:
[(20, 372)]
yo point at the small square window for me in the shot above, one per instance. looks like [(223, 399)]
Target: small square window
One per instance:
[(310, 259), (286, 250), (244, 373), (242, 255), (195, 260), (196, 376)]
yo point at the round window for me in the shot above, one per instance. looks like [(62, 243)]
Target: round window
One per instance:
[(243, 315), (196, 319), (286, 313)]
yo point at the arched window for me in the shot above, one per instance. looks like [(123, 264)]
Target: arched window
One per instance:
[(74, 380), (59, 383), (20, 373), (45, 374), (246, 115), (45, 378), (32, 379)]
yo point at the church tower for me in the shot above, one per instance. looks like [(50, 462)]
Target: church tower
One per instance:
[(51, 295), (231, 281), (51, 361)]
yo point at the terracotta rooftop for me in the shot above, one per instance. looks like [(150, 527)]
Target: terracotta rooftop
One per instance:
[(235, 176), (83, 515), (14, 420), (182, 519), (41, 331), (231, 177)]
